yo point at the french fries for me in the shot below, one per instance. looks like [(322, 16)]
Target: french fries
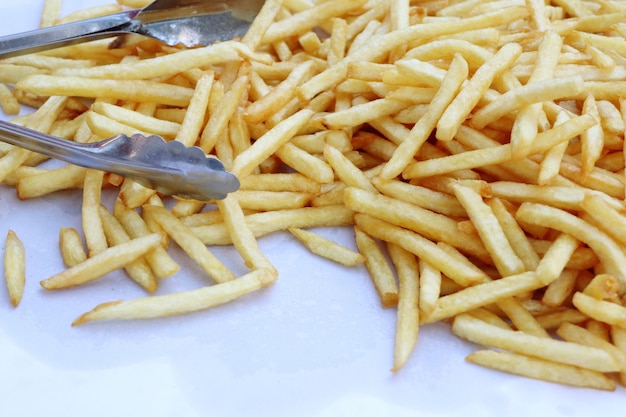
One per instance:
[(474, 148)]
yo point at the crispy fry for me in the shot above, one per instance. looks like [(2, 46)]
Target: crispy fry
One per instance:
[(326, 248), (407, 324), (71, 246), (182, 302), (14, 267), (533, 367), (378, 267)]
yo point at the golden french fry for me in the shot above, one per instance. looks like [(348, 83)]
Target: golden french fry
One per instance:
[(407, 324), (541, 369), (8, 102), (326, 248), (305, 163), (604, 311), (378, 267), (14, 267), (136, 90), (164, 65), (218, 120), (560, 289), (430, 288), (49, 181), (521, 318), (50, 13), (71, 245), (180, 303), (91, 221)]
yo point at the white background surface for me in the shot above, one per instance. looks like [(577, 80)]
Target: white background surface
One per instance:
[(317, 343)]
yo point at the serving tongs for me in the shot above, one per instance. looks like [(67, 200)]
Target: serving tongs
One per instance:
[(168, 167), (174, 22)]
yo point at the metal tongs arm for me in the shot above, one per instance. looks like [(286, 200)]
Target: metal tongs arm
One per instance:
[(67, 34)]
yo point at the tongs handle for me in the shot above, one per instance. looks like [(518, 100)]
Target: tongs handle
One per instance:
[(48, 145), (66, 34)]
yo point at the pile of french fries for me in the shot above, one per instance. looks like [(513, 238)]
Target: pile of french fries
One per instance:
[(475, 147)]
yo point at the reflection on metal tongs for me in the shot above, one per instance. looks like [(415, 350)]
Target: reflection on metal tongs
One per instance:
[(168, 167), (174, 22)]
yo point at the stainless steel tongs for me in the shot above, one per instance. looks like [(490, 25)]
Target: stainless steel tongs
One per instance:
[(174, 22), (168, 167)]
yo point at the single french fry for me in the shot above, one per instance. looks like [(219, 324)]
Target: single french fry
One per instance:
[(326, 248), (604, 311), (603, 287), (541, 369), (218, 120), (378, 267), (407, 323), (14, 267), (264, 223), (71, 246), (49, 181), (8, 102), (546, 90), (263, 108), (50, 13), (182, 302), (91, 221), (560, 289), (592, 139), (430, 287), (137, 90), (159, 66), (136, 120), (307, 19)]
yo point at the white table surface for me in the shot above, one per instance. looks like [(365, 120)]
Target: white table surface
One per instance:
[(317, 343)]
